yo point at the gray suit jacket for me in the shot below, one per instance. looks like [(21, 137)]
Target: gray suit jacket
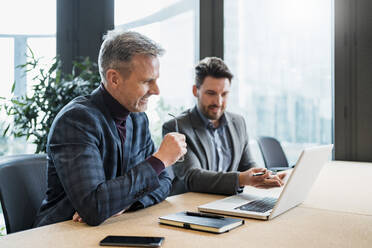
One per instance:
[(194, 173)]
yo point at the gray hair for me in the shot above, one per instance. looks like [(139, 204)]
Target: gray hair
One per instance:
[(119, 47)]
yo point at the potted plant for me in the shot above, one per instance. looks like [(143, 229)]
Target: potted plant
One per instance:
[(33, 114)]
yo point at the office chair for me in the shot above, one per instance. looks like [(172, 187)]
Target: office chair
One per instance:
[(273, 154), (22, 189)]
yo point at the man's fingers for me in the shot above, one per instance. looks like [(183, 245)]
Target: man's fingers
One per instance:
[(273, 181), (178, 136), (268, 180), (181, 140), (282, 175), (256, 170), (172, 148), (182, 137), (75, 217)]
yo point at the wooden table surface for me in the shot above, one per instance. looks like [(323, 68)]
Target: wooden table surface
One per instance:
[(321, 221)]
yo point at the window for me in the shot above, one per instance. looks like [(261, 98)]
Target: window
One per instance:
[(175, 26), (281, 55), (24, 24)]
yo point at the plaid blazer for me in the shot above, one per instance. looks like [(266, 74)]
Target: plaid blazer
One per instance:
[(85, 172)]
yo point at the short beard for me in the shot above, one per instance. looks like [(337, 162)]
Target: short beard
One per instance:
[(210, 117)]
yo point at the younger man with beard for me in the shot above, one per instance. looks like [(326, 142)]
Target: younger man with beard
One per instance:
[(218, 159)]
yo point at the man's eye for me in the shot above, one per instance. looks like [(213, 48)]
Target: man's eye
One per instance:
[(149, 81)]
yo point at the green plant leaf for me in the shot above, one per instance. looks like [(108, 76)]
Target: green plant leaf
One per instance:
[(6, 130), (13, 87), (34, 114), (32, 53), (2, 230)]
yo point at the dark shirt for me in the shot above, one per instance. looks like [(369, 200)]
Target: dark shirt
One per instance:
[(221, 142), (120, 114)]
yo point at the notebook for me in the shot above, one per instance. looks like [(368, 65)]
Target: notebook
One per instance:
[(295, 191), (214, 225)]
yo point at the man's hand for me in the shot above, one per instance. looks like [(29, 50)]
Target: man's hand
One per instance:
[(171, 148), (265, 181), (77, 218)]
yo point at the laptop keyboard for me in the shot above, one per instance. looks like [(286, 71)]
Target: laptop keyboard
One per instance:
[(261, 205)]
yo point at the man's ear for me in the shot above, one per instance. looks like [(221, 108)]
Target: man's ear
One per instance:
[(112, 77), (195, 90)]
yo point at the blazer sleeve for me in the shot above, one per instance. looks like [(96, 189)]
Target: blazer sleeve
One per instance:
[(197, 179), (159, 194), (74, 149), (165, 184)]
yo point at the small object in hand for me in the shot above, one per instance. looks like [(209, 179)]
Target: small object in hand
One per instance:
[(263, 173)]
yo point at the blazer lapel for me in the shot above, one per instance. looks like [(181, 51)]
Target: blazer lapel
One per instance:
[(201, 133), (234, 138), (128, 141)]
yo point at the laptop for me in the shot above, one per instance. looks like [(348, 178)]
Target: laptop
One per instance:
[(265, 206)]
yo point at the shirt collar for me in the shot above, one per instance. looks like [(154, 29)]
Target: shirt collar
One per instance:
[(118, 112), (208, 123)]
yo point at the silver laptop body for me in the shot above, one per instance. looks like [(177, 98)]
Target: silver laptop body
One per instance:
[(295, 190)]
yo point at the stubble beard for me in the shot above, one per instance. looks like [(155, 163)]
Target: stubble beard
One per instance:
[(210, 115)]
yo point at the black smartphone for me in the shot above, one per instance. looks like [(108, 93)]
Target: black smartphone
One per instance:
[(137, 241)]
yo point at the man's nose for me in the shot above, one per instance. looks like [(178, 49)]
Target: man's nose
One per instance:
[(218, 100), (154, 89)]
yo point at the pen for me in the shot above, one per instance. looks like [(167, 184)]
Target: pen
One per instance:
[(214, 216), (262, 173)]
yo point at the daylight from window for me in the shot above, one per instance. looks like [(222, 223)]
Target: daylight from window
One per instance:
[(174, 25), (28, 29), (34, 27), (281, 55)]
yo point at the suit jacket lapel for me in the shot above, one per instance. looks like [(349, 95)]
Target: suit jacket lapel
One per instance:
[(201, 133), (234, 138), (128, 141)]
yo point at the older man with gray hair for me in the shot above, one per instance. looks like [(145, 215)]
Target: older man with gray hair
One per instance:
[(101, 158)]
